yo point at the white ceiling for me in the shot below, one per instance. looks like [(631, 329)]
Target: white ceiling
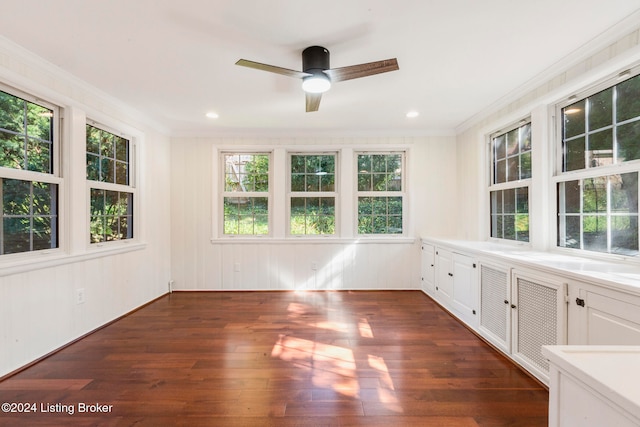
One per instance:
[(174, 59)]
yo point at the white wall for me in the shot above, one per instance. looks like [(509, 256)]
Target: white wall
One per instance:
[(38, 307), (199, 263)]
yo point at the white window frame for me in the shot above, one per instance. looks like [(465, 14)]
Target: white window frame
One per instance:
[(130, 188), (508, 185), (313, 194), (223, 193), (402, 193), (55, 178), (559, 176)]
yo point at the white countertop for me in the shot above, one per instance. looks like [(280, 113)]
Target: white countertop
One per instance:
[(613, 371), (616, 274)]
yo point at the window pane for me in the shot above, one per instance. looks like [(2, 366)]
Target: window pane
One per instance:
[(380, 215), (628, 99), (574, 154), (574, 119), (246, 172), (628, 141), (510, 214), (501, 171), (312, 215), (509, 198), (569, 192), (525, 165), (246, 215), (496, 202), (624, 193), (513, 142), (386, 173), (606, 221), (23, 121), (12, 113), (500, 147), (595, 233), (513, 169), (569, 232), (600, 148), (509, 227), (601, 109), (594, 195), (29, 216), (624, 235), (111, 215), (107, 156)]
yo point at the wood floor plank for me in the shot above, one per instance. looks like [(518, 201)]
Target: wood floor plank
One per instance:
[(356, 358)]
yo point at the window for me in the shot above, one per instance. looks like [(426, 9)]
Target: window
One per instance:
[(28, 174), (111, 193), (246, 194), (312, 196), (380, 193), (509, 189), (597, 189)]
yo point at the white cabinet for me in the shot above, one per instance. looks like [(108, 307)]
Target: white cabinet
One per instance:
[(495, 306), (603, 316), (520, 312), (464, 300), (456, 286), (444, 276), (520, 300), (428, 266), (539, 317)]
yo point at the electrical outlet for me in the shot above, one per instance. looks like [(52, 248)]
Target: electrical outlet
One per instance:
[(236, 267), (80, 296), (314, 265)]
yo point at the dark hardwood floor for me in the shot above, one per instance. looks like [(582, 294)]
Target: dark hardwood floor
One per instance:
[(370, 358)]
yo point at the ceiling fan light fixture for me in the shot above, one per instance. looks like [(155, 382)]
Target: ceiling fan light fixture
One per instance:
[(318, 83)]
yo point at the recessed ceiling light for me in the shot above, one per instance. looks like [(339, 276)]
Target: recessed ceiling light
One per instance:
[(212, 115), (412, 114)]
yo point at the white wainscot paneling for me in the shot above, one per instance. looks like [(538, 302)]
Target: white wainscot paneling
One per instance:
[(310, 266)]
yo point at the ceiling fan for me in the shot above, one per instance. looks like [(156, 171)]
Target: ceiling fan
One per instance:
[(317, 76)]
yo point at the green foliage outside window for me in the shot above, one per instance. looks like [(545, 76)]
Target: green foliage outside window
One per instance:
[(26, 135), (379, 182), (600, 213), (313, 214), (107, 157), (246, 213), (29, 208), (111, 215)]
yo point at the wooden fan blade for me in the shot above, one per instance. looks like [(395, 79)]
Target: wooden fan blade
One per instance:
[(313, 101), (272, 68), (362, 70)]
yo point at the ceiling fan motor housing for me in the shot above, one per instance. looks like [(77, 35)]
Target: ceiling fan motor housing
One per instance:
[(315, 59)]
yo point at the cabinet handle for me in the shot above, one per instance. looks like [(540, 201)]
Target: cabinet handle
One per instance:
[(513, 306), (506, 302), (431, 265), (580, 302), (451, 274)]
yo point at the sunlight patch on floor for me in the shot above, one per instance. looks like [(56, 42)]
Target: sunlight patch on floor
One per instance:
[(332, 367)]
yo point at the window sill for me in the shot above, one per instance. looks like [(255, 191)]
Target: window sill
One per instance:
[(53, 258), (312, 240)]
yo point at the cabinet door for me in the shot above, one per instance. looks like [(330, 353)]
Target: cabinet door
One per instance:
[(539, 318), (428, 268), (465, 289), (609, 317), (495, 309), (444, 273)]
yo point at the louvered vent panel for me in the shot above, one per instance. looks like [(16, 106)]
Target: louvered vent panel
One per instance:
[(537, 320), (493, 294)]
